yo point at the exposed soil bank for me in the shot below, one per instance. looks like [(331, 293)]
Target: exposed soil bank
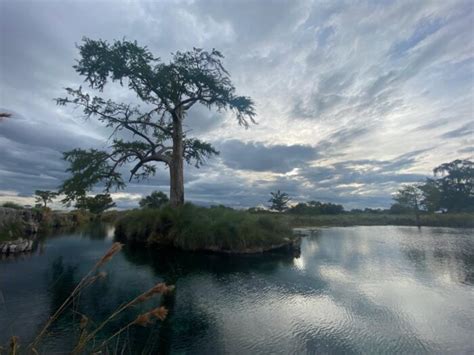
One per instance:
[(20, 227)]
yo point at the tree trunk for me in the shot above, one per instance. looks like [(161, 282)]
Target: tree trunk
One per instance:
[(417, 215), (176, 166)]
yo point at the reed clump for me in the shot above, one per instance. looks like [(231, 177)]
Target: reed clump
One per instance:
[(197, 228), (87, 341)]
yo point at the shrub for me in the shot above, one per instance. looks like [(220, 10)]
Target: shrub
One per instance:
[(10, 231)]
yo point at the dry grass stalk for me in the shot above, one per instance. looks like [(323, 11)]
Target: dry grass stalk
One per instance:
[(14, 345), (85, 281), (143, 320), (159, 288), (160, 313), (147, 318), (114, 249)]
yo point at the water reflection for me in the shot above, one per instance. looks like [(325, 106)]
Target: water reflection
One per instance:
[(352, 290)]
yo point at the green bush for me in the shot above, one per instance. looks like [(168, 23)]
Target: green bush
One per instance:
[(191, 227), (11, 231)]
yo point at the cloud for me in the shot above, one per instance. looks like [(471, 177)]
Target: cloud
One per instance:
[(352, 98), (260, 157), (465, 130)]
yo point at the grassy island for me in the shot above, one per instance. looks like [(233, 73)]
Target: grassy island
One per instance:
[(217, 229)]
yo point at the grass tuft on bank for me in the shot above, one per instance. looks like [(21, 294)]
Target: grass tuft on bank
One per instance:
[(197, 228)]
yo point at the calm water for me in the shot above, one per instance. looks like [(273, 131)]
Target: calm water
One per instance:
[(352, 290)]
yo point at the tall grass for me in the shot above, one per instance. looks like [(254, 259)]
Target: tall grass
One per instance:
[(87, 341), (194, 228)]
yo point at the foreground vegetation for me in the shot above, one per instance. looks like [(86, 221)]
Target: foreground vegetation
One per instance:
[(197, 228), (87, 335)]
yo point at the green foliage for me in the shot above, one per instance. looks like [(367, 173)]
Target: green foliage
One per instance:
[(398, 208), (11, 231), (192, 228), (456, 185), (316, 208), (88, 168), (96, 204), (44, 197), (12, 205), (111, 216), (169, 89), (156, 199), (451, 189), (409, 196), (431, 200), (279, 201), (79, 217)]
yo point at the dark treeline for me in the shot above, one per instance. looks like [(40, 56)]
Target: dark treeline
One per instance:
[(316, 207), (451, 189)]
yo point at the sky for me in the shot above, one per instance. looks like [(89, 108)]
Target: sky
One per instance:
[(353, 98)]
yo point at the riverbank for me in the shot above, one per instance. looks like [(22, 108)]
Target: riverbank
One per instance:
[(217, 229), (19, 227), (462, 220)]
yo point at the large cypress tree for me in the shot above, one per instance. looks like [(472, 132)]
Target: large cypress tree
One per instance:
[(167, 91)]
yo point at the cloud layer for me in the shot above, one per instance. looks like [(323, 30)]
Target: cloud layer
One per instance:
[(352, 98)]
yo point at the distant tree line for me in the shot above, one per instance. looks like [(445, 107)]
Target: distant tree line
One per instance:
[(451, 189), (280, 202), (316, 207)]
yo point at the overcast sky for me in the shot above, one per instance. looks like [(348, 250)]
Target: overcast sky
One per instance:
[(353, 98)]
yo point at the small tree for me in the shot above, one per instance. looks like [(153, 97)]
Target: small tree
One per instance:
[(95, 204), (279, 201), (155, 200), (410, 196), (44, 197)]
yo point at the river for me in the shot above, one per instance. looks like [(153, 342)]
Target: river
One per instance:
[(352, 290)]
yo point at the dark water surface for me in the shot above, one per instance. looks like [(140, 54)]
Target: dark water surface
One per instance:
[(352, 290)]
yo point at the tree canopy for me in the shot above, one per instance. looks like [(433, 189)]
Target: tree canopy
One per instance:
[(456, 185), (316, 208), (156, 199), (167, 91), (409, 196), (44, 197), (95, 204), (279, 201), (451, 189)]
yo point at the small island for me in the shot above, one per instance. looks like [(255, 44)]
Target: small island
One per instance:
[(216, 229)]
